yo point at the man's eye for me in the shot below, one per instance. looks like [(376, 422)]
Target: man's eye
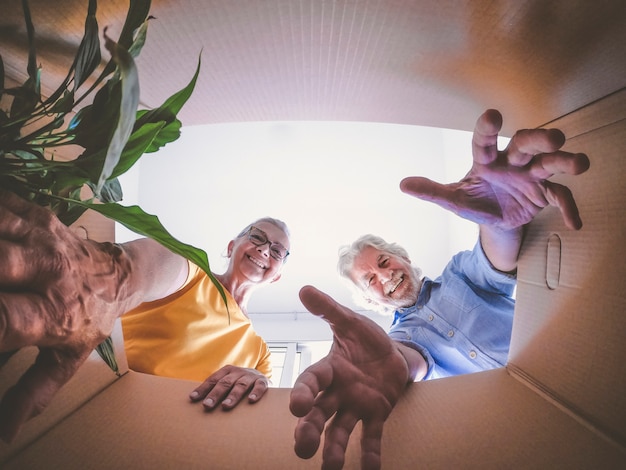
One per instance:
[(257, 238)]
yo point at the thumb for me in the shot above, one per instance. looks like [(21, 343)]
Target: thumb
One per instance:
[(443, 195), (324, 306)]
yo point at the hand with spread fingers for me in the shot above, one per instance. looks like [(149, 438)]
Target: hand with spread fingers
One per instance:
[(508, 188), (361, 379), (47, 302), (228, 386)]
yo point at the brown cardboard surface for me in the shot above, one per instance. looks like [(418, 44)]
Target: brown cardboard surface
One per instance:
[(90, 380), (569, 340), (487, 420)]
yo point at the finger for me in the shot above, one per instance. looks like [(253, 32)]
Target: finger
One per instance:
[(24, 321), (310, 427), (36, 388), (560, 196), (308, 385), (322, 305), (247, 382), (12, 226), (527, 143), (443, 195), (371, 439), (228, 391), (336, 440), (205, 387), (258, 390), (485, 137), (18, 266), (545, 165), (307, 437)]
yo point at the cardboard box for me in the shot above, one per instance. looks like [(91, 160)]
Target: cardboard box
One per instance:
[(559, 403)]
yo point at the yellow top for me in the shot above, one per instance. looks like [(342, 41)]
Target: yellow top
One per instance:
[(187, 335)]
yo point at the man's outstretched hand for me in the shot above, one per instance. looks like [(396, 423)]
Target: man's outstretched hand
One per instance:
[(507, 189), (361, 379), (57, 292)]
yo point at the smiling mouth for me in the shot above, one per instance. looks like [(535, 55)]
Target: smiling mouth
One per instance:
[(395, 285), (257, 262)]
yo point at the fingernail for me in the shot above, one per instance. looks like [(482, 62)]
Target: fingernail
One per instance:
[(193, 395), (252, 396), (208, 402), (228, 401)]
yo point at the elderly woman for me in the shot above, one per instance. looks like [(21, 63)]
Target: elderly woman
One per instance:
[(187, 331)]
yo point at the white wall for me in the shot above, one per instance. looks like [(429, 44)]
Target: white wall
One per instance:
[(331, 182)]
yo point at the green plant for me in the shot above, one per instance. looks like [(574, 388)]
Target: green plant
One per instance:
[(98, 114)]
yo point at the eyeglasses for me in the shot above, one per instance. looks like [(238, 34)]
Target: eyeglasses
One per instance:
[(259, 238)]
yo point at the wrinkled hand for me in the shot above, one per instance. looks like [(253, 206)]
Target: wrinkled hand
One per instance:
[(57, 292), (508, 188), (229, 385), (362, 378)]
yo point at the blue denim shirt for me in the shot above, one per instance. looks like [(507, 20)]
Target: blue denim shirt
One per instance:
[(462, 320)]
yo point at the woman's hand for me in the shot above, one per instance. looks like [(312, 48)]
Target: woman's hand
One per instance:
[(228, 386)]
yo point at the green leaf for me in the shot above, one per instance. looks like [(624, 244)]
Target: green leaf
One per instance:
[(105, 351), (1, 77), (168, 110), (139, 39), (128, 108), (137, 14), (111, 191), (139, 142), (167, 134), (88, 55)]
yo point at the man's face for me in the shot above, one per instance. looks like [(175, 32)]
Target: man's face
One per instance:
[(385, 278)]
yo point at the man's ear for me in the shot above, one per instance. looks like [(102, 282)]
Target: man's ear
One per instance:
[(229, 249)]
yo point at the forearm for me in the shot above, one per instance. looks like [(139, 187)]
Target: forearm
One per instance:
[(156, 272), (417, 365), (502, 247)]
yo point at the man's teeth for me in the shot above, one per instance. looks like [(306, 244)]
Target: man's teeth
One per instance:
[(393, 288)]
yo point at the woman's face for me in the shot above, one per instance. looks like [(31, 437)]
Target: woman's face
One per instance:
[(258, 263)]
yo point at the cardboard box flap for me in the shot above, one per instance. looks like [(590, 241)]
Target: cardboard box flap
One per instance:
[(486, 420), (93, 377), (570, 326)]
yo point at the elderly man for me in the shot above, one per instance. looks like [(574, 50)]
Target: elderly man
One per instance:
[(366, 370)]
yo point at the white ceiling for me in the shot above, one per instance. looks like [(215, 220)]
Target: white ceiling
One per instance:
[(414, 62), (436, 63)]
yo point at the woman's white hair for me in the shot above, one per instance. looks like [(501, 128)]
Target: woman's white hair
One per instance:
[(345, 265)]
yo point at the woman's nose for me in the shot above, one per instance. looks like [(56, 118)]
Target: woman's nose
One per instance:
[(264, 249)]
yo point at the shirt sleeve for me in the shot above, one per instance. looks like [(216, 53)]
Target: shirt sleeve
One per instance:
[(420, 349), (474, 267)]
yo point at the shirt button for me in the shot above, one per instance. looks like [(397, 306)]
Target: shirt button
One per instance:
[(472, 354), (450, 333), (431, 317)]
